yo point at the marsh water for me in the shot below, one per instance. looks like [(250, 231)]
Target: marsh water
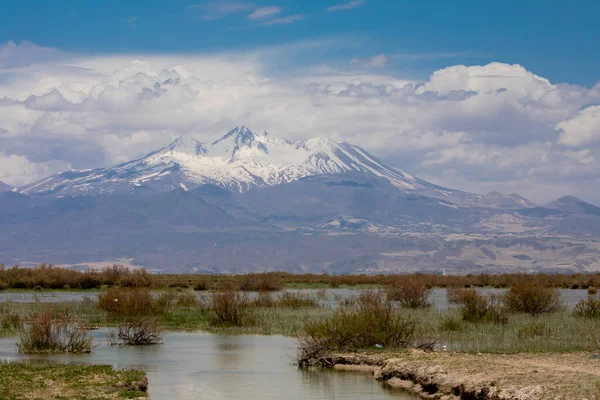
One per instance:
[(214, 366), (333, 296)]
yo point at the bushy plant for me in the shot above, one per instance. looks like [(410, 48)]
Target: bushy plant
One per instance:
[(480, 308), (201, 286), (267, 281), (296, 300), (589, 308), (52, 332), (186, 299), (532, 299), (230, 308), (142, 331), (129, 302), (410, 291), (451, 323), (454, 294), (374, 321)]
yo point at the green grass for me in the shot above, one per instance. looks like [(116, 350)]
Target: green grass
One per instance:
[(69, 382), (552, 332), (555, 332)]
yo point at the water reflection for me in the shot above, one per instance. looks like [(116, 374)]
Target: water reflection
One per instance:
[(209, 366)]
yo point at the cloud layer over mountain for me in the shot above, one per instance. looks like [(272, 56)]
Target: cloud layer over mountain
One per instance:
[(476, 128)]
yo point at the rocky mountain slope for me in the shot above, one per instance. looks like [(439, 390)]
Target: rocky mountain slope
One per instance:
[(250, 202)]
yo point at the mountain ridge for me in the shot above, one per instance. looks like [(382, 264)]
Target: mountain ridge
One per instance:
[(240, 160)]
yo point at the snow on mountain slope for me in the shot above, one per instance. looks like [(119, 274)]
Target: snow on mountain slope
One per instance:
[(240, 160)]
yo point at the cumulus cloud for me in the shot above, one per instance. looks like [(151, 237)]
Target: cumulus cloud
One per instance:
[(347, 6), (265, 12), (476, 128), (582, 129), (17, 170)]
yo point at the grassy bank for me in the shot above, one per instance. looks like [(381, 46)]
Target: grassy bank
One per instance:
[(559, 331), (69, 382)]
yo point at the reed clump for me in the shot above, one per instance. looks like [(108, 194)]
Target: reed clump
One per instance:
[(51, 331)]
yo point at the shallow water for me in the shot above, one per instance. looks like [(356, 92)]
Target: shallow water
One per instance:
[(211, 366), (438, 296)]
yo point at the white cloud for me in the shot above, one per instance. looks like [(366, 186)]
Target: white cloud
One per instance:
[(17, 170), (347, 6), (265, 12), (475, 128), (378, 61), (582, 129), (219, 9), (13, 55), (285, 20)]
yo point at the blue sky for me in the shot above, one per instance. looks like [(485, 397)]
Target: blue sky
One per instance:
[(555, 39), (472, 95)]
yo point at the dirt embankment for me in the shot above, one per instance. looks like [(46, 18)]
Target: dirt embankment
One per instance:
[(446, 375)]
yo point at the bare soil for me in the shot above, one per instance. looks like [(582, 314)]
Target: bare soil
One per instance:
[(448, 375)]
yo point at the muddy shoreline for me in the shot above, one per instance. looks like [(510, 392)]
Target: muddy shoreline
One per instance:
[(453, 376)]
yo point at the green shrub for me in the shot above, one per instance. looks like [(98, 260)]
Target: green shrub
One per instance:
[(451, 324), (534, 330), (374, 321), (532, 299)]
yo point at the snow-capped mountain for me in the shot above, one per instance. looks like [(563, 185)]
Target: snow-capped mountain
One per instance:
[(240, 160)]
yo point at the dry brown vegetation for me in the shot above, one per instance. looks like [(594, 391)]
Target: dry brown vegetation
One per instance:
[(230, 308), (46, 276), (410, 291), (137, 332), (589, 308), (480, 308), (53, 332), (374, 321), (532, 299)]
